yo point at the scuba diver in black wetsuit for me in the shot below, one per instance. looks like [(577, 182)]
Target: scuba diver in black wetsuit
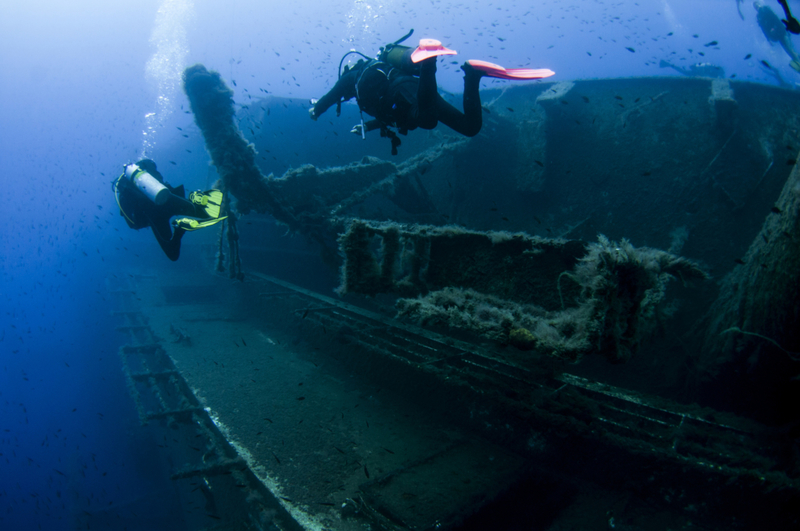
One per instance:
[(791, 23), (775, 31), (399, 90), (146, 200)]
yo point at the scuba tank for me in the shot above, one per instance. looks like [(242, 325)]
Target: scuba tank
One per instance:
[(399, 56), (393, 54), (149, 185)]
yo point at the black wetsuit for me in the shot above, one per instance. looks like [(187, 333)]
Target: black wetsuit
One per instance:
[(791, 23), (140, 211), (398, 99)]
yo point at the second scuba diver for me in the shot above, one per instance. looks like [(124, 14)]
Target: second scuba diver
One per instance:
[(791, 23), (399, 90), (146, 200), (775, 30)]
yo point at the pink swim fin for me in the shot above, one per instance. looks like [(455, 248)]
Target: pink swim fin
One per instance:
[(493, 70), (429, 48)]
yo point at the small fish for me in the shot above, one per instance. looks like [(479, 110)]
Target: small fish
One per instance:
[(234, 82), (214, 517), (776, 210), (630, 49), (766, 64), (305, 313), (739, 261), (712, 43), (585, 99), (617, 97), (245, 344), (539, 163), (646, 174), (366, 471), (301, 398), (268, 419), (391, 452), (173, 163), (748, 56), (276, 458), (510, 109), (337, 449)]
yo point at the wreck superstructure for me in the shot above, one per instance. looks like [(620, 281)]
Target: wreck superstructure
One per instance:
[(439, 385)]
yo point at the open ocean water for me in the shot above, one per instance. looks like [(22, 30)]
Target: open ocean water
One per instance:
[(88, 86)]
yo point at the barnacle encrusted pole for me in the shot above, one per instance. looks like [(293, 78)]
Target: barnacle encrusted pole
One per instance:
[(753, 328), (234, 158), (212, 104)]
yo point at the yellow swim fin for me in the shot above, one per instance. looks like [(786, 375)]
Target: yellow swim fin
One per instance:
[(189, 224), (210, 200)]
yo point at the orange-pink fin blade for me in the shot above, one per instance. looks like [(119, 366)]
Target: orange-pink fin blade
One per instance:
[(430, 48), (494, 70)]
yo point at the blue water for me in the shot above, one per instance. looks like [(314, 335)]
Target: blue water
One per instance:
[(77, 100)]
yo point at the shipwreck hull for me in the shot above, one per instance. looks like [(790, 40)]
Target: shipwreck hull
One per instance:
[(316, 407)]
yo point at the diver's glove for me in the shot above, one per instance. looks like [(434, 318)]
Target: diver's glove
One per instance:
[(312, 111), (358, 129)]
